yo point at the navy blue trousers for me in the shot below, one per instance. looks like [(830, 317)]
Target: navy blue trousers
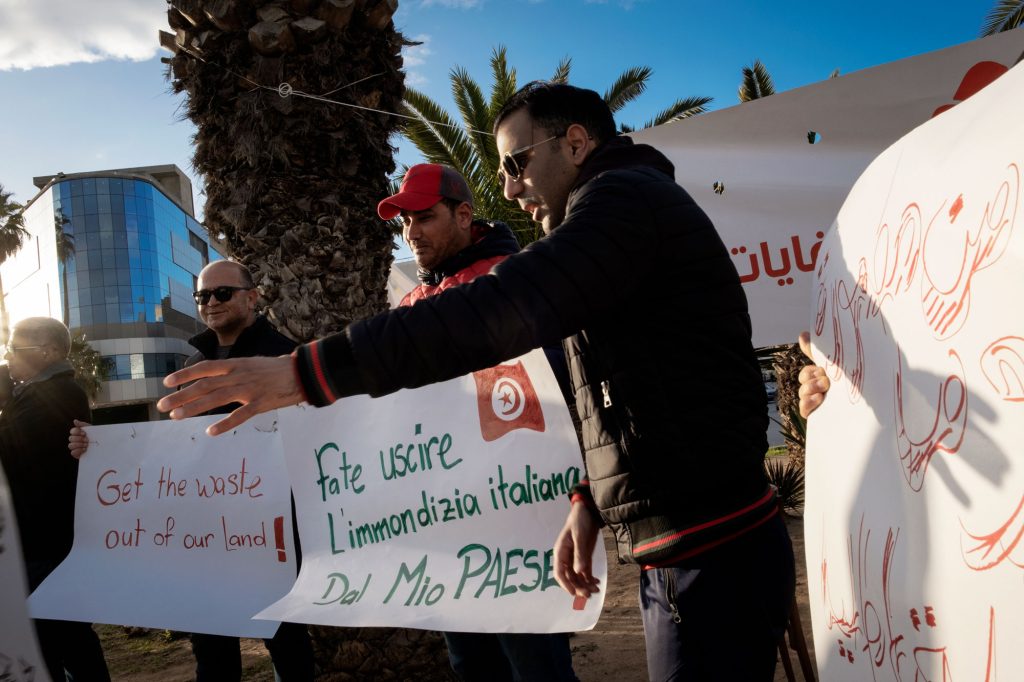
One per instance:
[(719, 616), (487, 657)]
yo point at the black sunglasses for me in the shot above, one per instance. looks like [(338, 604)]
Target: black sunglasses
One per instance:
[(222, 294), (513, 163)]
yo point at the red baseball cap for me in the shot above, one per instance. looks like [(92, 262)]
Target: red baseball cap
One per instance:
[(424, 185)]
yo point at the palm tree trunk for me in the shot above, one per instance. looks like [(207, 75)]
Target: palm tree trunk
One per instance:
[(292, 186)]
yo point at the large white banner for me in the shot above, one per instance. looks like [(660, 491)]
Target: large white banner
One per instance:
[(437, 508), (20, 660), (915, 481), (773, 173), (177, 530)]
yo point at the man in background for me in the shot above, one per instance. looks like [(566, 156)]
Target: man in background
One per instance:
[(45, 400), (453, 248)]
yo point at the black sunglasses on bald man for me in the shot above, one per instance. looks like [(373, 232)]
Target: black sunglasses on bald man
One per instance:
[(222, 294)]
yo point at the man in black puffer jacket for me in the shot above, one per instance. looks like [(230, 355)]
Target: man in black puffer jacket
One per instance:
[(43, 479), (636, 278)]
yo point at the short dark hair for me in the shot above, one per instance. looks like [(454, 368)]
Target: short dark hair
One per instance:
[(556, 106), (453, 204)]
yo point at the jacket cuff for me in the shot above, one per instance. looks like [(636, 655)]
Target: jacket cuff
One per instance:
[(326, 370)]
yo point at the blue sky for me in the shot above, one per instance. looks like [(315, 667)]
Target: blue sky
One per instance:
[(84, 90)]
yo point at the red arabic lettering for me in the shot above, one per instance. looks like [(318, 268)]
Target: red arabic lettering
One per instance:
[(947, 429)]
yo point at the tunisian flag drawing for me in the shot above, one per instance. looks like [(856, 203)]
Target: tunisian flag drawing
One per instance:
[(507, 401)]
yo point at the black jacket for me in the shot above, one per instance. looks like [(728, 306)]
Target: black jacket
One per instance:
[(258, 339), (665, 379), (42, 474)]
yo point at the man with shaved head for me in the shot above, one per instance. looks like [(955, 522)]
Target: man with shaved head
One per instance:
[(226, 298)]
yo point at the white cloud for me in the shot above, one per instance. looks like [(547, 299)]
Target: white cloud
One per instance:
[(452, 4), (38, 34), (416, 55)]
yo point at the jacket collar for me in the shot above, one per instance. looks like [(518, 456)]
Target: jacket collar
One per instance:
[(206, 341), (56, 369), (490, 238), (621, 152)]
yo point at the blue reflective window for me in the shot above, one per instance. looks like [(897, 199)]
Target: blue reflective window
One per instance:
[(102, 186), (78, 205), (76, 318), (121, 259), (124, 368), (128, 186), (117, 220), (99, 314), (103, 203), (90, 204), (115, 186), (129, 205), (113, 314), (106, 223), (127, 313), (84, 296), (124, 293), (77, 189), (89, 185), (92, 223), (92, 241), (107, 240), (83, 279), (85, 315), (110, 294), (117, 204)]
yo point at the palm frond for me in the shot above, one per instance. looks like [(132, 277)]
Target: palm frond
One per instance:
[(680, 109), (439, 138), (630, 84), (12, 225), (476, 114), (561, 74), (757, 82), (1004, 16), (504, 85)]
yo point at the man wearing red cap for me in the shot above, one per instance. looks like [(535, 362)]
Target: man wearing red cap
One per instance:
[(451, 248)]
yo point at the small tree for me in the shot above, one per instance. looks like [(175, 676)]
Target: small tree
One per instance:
[(469, 147), (90, 370), (65, 252), (12, 236)]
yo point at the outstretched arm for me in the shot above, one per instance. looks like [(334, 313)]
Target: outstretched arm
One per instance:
[(260, 384)]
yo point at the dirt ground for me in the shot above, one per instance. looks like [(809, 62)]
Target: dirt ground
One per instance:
[(613, 650)]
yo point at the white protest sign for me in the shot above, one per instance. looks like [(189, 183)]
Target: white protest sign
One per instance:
[(771, 193), (915, 481), (20, 660), (177, 530), (437, 507)]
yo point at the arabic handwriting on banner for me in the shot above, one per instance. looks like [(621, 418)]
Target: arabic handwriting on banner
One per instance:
[(449, 525), (917, 324)]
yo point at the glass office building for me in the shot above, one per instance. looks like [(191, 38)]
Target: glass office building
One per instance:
[(126, 282)]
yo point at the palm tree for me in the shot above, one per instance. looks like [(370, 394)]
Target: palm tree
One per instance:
[(289, 100), (90, 370), (65, 252), (291, 182), (756, 83), (468, 146), (12, 236), (1004, 15)]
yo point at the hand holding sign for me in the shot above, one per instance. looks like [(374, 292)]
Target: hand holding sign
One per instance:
[(259, 384)]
